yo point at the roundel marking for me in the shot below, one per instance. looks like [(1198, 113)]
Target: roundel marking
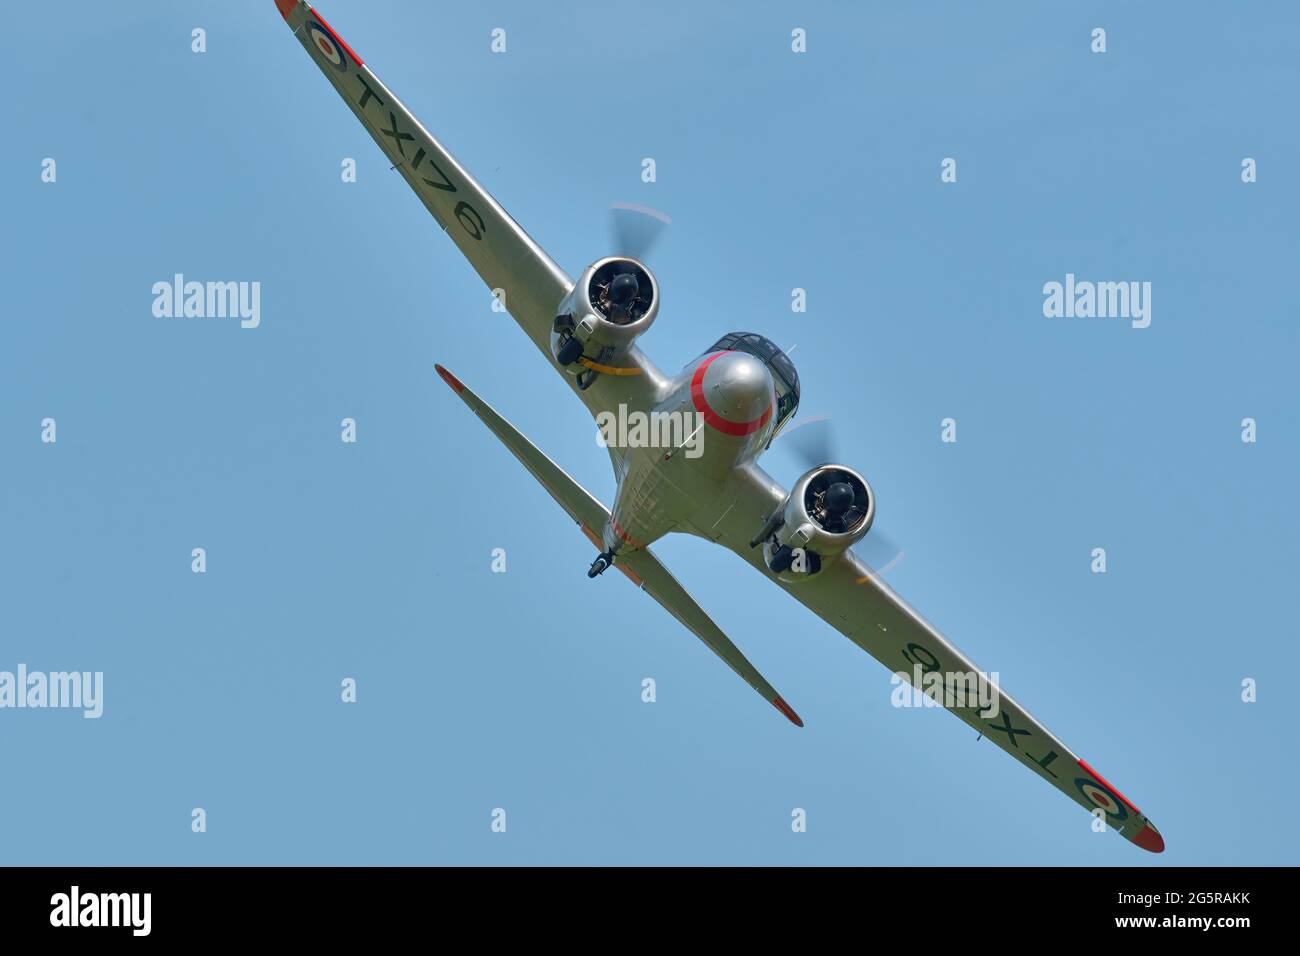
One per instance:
[(324, 43), (1101, 797)]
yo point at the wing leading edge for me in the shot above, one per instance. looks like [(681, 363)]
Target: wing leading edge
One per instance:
[(853, 599)]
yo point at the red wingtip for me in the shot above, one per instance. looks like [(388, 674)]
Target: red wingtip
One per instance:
[(450, 379), (1109, 786), (785, 708), (1148, 838), (285, 7), (334, 36)]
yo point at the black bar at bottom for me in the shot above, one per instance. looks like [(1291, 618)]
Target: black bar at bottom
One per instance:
[(975, 905)]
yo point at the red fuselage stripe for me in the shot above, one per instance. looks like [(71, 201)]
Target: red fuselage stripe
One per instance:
[(712, 418), (623, 535)]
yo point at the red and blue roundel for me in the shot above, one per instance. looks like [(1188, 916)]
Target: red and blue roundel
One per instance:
[(1102, 797), (324, 43)]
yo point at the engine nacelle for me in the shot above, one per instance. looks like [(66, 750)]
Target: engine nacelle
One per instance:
[(828, 510), (615, 300)]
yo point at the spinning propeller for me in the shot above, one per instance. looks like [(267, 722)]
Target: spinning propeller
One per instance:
[(633, 229), (838, 505)]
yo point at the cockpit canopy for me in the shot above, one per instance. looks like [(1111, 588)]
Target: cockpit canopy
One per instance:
[(784, 376)]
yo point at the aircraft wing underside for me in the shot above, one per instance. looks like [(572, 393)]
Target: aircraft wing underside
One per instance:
[(853, 599), (496, 246)]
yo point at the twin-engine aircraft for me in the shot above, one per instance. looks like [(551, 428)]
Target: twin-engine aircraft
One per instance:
[(741, 391)]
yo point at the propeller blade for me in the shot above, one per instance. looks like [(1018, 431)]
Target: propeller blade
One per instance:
[(811, 441), (879, 551), (635, 229)]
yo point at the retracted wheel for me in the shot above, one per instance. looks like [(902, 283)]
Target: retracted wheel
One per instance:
[(569, 352), (782, 559)]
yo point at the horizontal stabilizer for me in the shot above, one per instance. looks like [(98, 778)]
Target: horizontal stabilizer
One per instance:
[(642, 567)]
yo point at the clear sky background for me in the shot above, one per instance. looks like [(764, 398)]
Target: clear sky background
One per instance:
[(522, 690)]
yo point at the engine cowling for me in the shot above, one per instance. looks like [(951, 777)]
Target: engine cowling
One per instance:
[(829, 509), (615, 300)]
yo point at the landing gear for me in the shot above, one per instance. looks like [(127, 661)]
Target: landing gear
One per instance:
[(603, 561), (799, 560), (782, 558), (569, 352)]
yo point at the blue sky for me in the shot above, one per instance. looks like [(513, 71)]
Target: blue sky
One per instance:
[(522, 690)]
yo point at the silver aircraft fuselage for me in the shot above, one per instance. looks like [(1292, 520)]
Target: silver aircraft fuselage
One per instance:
[(727, 400)]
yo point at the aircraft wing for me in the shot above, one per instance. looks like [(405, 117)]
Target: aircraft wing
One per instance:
[(496, 246), (641, 567), (853, 599)]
